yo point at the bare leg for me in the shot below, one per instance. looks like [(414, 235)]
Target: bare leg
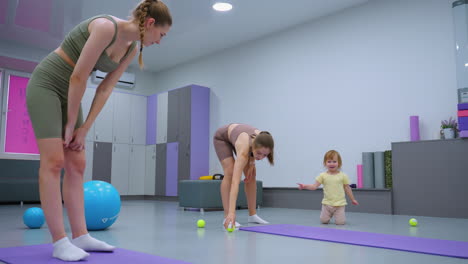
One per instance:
[(251, 194), (51, 164), (73, 194), (250, 188), (228, 168)]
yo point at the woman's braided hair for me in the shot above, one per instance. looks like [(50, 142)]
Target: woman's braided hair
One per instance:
[(150, 9)]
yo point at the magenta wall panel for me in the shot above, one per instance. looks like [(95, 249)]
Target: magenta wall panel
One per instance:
[(19, 132)]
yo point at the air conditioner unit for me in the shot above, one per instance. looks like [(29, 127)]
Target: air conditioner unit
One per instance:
[(127, 80)]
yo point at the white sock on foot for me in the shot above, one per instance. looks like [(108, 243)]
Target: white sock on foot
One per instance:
[(65, 250), (256, 219), (237, 224), (88, 243)]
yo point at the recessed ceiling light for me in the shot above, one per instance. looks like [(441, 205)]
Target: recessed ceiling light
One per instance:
[(222, 6)]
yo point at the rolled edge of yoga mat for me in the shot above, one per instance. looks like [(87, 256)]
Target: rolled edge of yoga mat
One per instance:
[(463, 123), (379, 170), (462, 113), (359, 176), (463, 106), (368, 169), (464, 134), (414, 128)]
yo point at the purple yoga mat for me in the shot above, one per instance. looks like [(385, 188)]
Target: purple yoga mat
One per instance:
[(464, 134), (42, 254), (414, 128), (439, 247), (463, 106), (463, 123)]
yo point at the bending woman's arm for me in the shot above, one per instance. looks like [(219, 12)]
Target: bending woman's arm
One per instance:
[(103, 93), (242, 149), (104, 90), (101, 33)]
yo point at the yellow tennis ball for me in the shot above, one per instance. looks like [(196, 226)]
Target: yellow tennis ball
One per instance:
[(230, 229), (413, 222), (201, 223)]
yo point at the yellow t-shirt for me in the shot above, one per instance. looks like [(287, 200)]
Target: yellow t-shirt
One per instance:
[(333, 189)]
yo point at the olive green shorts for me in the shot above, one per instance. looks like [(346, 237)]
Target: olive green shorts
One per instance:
[(47, 95)]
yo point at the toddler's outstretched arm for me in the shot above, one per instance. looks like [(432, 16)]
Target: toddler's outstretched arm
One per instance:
[(311, 187)]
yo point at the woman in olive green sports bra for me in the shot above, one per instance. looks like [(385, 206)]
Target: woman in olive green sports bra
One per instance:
[(54, 95)]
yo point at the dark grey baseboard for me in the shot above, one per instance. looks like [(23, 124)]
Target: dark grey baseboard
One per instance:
[(377, 201), (161, 198), (122, 198)]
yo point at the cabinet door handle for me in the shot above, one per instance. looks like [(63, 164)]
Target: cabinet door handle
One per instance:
[(115, 138)]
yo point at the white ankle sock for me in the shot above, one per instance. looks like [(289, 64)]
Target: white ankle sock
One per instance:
[(256, 219), (88, 243), (237, 224), (65, 250)]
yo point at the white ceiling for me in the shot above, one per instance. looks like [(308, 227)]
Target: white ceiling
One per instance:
[(199, 30)]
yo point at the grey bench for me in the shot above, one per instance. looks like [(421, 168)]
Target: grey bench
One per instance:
[(206, 194)]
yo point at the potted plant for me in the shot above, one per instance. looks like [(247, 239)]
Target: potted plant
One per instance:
[(448, 128)]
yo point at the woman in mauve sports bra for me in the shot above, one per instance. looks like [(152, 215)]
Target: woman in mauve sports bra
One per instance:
[(248, 144)]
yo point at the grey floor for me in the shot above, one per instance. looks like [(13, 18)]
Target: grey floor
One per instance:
[(161, 228)]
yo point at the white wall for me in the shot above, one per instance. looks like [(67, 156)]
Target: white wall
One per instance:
[(144, 80), (348, 82)]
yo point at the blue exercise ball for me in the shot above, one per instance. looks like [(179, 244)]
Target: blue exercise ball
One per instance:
[(102, 204), (34, 217)]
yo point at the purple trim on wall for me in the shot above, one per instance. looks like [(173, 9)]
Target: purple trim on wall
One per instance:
[(151, 109), (34, 14), (17, 64), (185, 86), (172, 158), (200, 131)]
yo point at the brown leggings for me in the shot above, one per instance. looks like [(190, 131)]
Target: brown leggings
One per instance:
[(223, 147)]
